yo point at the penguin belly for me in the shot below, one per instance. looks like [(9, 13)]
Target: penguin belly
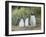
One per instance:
[(21, 23), (33, 21), (26, 22)]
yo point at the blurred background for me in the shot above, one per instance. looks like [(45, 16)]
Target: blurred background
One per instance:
[(24, 12)]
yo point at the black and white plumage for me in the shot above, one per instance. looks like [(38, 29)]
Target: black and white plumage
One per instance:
[(33, 19)]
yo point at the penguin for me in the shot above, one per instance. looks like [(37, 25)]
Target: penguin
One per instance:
[(33, 19), (21, 23)]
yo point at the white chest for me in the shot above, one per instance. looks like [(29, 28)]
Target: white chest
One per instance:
[(26, 22), (21, 23), (33, 20)]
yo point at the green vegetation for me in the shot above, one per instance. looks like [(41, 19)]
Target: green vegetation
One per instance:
[(19, 12)]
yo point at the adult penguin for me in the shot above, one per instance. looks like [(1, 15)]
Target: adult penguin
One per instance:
[(33, 19)]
